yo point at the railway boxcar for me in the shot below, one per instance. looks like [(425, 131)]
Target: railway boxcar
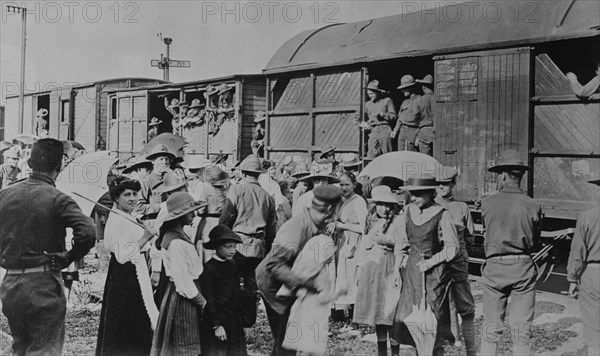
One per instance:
[(130, 110), (75, 112)]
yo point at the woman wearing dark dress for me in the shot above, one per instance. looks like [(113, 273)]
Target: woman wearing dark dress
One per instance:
[(128, 309), (180, 322), (433, 242), (221, 284)]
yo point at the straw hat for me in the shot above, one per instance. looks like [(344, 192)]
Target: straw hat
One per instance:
[(42, 112), (407, 81), (154, 121), (179, 204), (425, 183), (383, 194), (160, 150), (326, 150), (221, 234), (509, 161), (170, 183), (350, 160), (428, 80)]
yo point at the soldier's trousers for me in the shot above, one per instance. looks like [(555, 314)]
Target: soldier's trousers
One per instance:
[(589, 304), (508, 276), (407, 138), (380, 140), (35, 306)]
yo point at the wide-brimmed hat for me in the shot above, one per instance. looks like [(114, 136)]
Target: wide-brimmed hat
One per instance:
[(184, 103), (509, 161), (317, 176), (260, 116), (224, 88), (350, 160), (196, 162), (251, 164), (154, 121), (446, 174), (170, 183), (326, 150), (160, 150), (383, 194), (220, 158), (179, 204), (428, 80), (374, 85), (12, 152), (301, 170), (196, 103), (4, 145), (42, 112), (136, 163), (221, 234), (406, 81), (423, 183), (174, 101), (211, 90)]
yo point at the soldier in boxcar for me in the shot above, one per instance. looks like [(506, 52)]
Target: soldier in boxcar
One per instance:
[(426, 135), (173, 107), (35, 216), (460, 296), (258, 135), (380, 114), (212, 109), (226, 106), (512, 223), (585, 91), (409, 116), (41, 122), (153, 132), (583, 273), (195, 115)]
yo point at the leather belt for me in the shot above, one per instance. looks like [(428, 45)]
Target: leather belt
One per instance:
[(37, 269)]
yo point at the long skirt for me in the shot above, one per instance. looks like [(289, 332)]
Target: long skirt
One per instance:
[(179, 326), (124, 323), (377, 295)]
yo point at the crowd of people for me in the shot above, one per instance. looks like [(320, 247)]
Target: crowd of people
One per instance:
[(193, 245)]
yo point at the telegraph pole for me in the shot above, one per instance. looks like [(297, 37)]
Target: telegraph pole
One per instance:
[(23, 12), (165, 62)]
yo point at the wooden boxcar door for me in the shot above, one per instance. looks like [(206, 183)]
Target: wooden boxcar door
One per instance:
[(482, 109), (313, 110)]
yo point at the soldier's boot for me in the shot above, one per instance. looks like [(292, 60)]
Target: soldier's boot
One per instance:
[(468, 332)]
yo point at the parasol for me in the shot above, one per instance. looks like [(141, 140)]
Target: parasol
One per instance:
[(87, 176), (174, 143), (27, 139), (402, 165), (422, 324)]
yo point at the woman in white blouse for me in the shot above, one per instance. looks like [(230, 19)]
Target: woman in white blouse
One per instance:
[(178, 331), (128, 311)]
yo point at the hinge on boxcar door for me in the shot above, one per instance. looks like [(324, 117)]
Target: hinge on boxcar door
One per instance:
[(450, 152)]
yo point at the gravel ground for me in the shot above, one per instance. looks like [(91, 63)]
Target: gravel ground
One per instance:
[(556, 330)]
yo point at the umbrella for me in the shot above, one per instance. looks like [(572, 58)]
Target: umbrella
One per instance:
[(27, 139), (74, 144), (422, 324), (174, 143), (402, 165), (87, 176)]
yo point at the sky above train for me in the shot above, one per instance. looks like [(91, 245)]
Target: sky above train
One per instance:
[(75, 42)]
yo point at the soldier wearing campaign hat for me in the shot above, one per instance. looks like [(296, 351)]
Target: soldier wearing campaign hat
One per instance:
[(426, 135), (41, 121), (409, 116), (460, 296), (380, 116), (275, 270), (512, 233), (583, 274)]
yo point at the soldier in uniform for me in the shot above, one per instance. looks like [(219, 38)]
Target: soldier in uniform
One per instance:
[(41, 123), (258, 135), (460, 296), (153, 132), (380, 114), (226, 106), (211, 109), (426, 135), (409, 116), (512, 233), (583, 273), (195, 115)]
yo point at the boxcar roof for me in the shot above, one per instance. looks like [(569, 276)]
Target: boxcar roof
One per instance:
[(453, 28)]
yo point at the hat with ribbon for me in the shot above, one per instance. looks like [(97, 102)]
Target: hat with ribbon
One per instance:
[(406, 81), (154, 122), (170, 183), (325, 150), (318, 176), (260, 116), (383, 194), (211, 90), (374, 85), (446, 174), (224, 88), (509, 161), (42, 112), (196, 103), (425, 183), (428, 80), (251, 164), (196, 162), (136, 163), (221, 234), (179, 204), (160, 150), (350, 160)]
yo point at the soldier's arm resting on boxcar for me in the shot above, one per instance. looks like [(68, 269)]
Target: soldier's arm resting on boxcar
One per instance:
[(584, 91)]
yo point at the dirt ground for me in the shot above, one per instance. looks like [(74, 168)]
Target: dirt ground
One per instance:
[(557, 326)]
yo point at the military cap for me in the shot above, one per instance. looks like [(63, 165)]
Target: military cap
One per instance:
[(327, 194)]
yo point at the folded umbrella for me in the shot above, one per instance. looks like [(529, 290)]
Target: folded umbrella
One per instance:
[(422, 324)]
